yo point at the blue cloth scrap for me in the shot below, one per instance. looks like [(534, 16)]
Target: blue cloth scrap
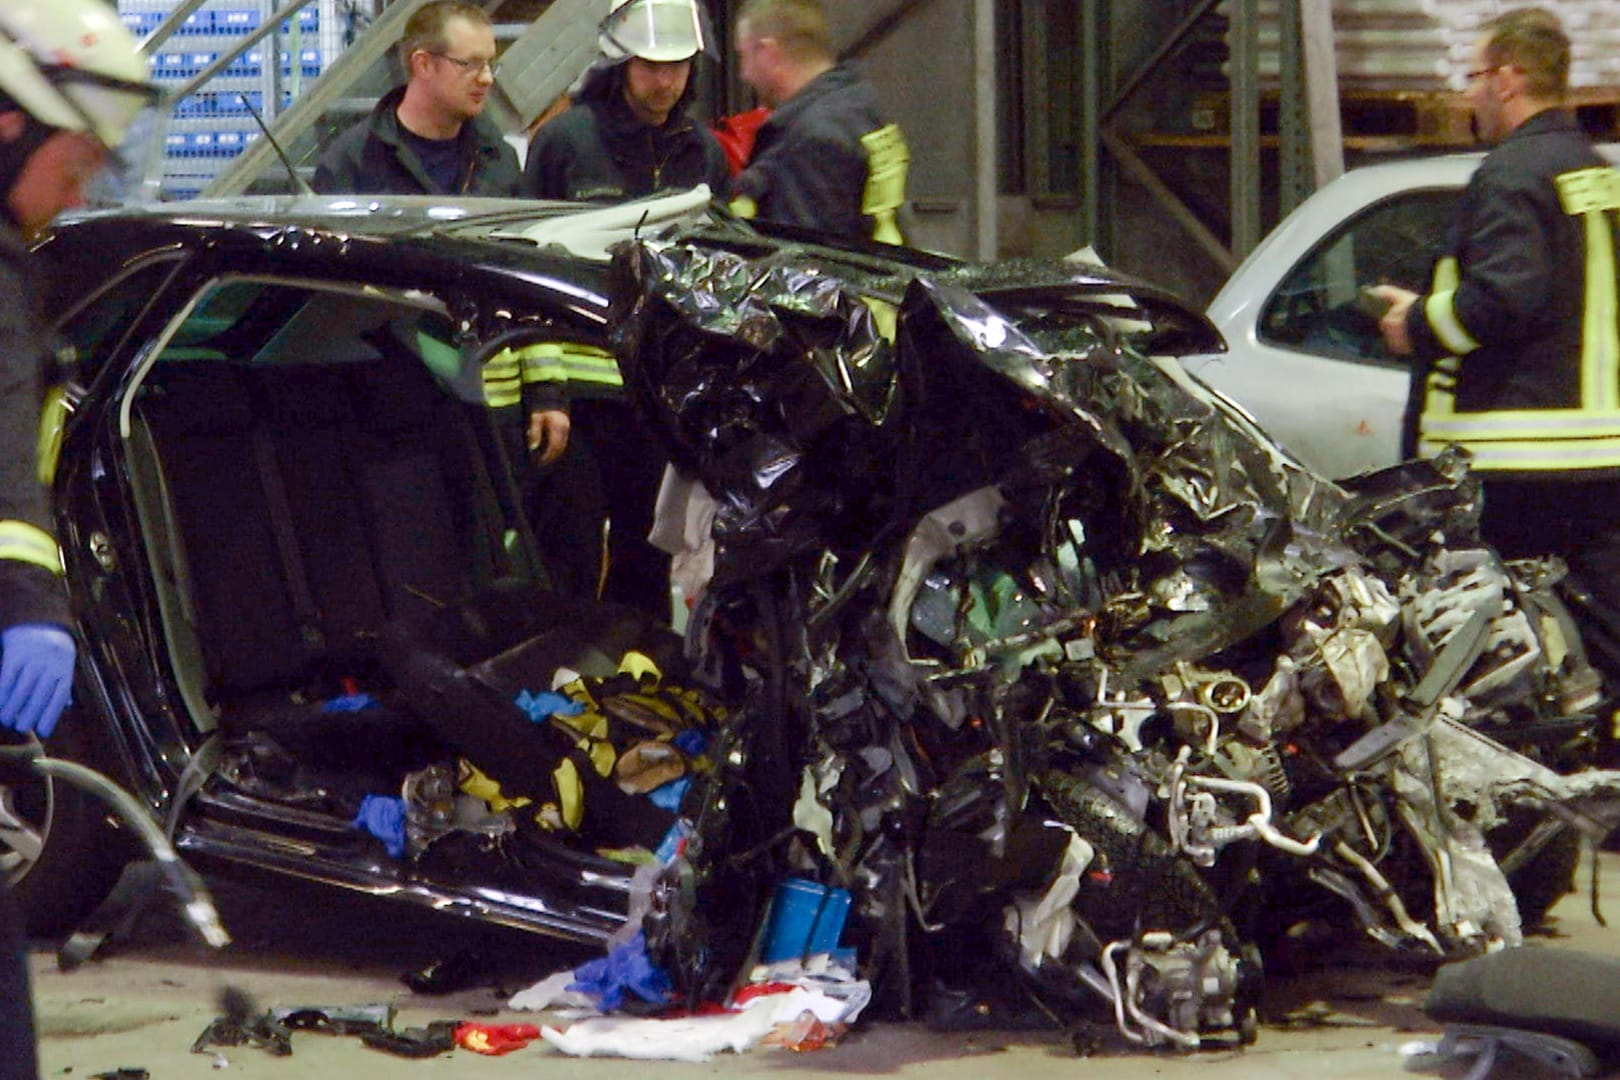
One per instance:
[(350, 703), (383, 816), (692, 742), (668, 796), (625, 968), (547, 704)]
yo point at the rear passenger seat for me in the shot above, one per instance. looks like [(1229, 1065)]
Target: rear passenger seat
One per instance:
[(315, 504)]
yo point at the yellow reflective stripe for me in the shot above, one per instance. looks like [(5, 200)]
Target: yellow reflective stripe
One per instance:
[(1447, 275), (587, 363), (1540, 424), (52, 422), (501, 385), (1440, 391), (555, 361), (542, 362), (1600, 333), (1489, 455), (1589, 191), (1442, 319), (887, 161), (745, 208), (22, 542)]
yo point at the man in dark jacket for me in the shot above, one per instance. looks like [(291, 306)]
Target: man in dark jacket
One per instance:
[(72, 79), (827, 158), (429, 136), (627, 134), (1518, 340)]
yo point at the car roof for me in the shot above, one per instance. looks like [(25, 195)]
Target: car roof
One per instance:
[(1343, 198), (517, 235)]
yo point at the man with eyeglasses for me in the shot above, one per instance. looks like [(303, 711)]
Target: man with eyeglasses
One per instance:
[(1517, 344), (429, 136)]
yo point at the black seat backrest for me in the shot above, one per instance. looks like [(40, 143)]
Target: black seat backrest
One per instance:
[(201, 418), (373, 471)]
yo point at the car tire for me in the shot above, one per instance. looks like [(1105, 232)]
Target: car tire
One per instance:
[(79, 853)]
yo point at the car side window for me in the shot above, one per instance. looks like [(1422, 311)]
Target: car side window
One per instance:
[(1316, 309), (96, 328)]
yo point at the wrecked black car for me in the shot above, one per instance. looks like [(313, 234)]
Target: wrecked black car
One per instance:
[(1002, 626)]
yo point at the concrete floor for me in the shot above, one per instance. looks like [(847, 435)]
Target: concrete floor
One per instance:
[(144, 1005)]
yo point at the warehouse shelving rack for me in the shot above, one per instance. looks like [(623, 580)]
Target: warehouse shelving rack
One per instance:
[(217, 58)]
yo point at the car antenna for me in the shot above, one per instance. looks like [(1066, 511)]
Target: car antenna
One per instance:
[(300, 185)]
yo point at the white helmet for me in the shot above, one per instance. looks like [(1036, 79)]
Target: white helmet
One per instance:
[(656, 30), (71, 64)]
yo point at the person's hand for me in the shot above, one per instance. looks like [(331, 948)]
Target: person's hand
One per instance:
[(1393, 323), (36, 677), (548, 434)]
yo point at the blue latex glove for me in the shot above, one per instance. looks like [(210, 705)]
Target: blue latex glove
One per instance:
[(625, 968), (36, 677), (383, 816), (546, 704)]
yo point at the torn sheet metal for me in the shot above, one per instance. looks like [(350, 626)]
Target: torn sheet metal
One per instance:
[(1050, 658)]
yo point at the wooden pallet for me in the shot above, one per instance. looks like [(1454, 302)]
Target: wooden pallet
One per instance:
[(1432, 118)]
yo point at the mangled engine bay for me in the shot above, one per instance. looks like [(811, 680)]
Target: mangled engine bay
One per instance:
[(1046, 655)]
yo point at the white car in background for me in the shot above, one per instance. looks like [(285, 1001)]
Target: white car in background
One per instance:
[(1304, 359)]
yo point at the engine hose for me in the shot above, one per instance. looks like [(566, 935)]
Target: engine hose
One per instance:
[(195, 900)]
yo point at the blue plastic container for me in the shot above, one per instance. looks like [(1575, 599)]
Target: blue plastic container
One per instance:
[(804, 919)]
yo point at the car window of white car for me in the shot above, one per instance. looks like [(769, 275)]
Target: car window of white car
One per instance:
[(1317, 307)]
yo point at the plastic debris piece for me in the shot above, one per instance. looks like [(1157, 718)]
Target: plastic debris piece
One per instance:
[(383, 816), (349, 703), (692, 742), (669, 796), (495, 1039), (1044, 927), (458, 971), (673, 844), (626, 968), (261, 1032), (415, 1043), (811, 816), (647, 766), (127, 1072), (546, 704), (804, 919), (640, 667), (552, 993), (480, 786), (804, 1033)]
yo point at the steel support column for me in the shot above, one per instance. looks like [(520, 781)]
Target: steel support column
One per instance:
[(985, 204), (1244, 59)]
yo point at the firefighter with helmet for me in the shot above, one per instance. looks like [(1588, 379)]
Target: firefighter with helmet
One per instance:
[(72, 81), (626, 135)]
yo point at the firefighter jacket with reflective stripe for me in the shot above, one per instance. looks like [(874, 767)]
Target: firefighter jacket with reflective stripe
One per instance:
[(1521, 329), (828, 159), (599, 151), (30, 563), (371, 158), (536, 375)]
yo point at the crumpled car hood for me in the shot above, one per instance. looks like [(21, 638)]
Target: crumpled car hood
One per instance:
[(1035, 639)]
